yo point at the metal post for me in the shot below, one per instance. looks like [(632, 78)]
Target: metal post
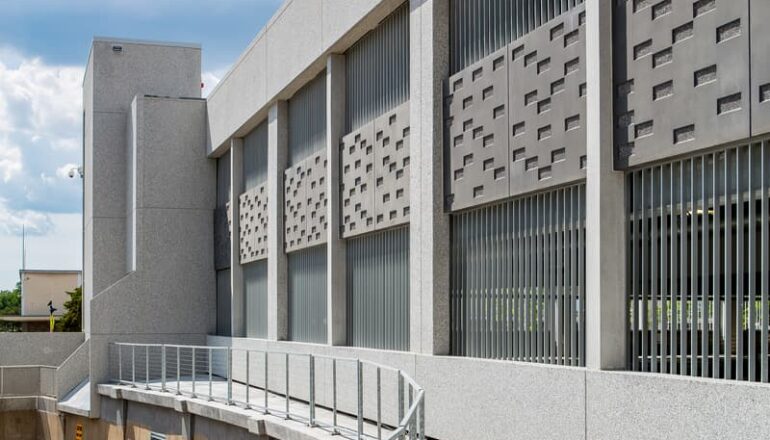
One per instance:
[(247, 378), (266, 385), (194, 376), (178, 368), (400, 397), (311, 385), (211, 395), (147, 367), (287, 385), (360, 388), (379, 404), (229, 376), (421, 421), (334, 397), (133, 366), (120, 363), (163, 368)]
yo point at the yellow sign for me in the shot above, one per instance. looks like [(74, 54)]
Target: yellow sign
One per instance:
[(78, 432)]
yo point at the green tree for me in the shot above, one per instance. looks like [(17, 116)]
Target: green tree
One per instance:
[(72, 319), (10, 304)]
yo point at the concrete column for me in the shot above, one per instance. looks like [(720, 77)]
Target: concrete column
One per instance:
[(429, 224), (238, 298), (277, 294), (605, 204), (335, 128)]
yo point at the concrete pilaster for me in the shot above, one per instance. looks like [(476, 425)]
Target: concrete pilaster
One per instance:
[(277, 295), (335, 248), (429, 224), (605, 204), (238, 299)]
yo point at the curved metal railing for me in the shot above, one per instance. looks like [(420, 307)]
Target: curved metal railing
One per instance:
[(272, 382)]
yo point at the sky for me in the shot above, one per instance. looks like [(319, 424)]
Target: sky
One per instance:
[(43, 49)]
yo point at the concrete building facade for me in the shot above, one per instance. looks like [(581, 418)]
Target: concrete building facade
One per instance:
[(552, 215)]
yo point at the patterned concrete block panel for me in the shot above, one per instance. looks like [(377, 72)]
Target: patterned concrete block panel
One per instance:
[(294, 210), (547, 102), (476, 133), (391, 168), (357, 181), (681, 77), (305, 219), (316, 202), (253, 224), (375, 174)]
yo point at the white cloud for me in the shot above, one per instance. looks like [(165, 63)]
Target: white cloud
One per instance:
[(10, 159), (33, 222), (211, 79)]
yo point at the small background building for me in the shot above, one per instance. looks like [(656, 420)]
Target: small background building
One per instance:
[(38, 287)]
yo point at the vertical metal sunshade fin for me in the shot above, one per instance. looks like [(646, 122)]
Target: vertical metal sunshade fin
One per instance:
[(255, 286), (517, 279), (698, 263), (307, 120), (480, 27), (307, 295)]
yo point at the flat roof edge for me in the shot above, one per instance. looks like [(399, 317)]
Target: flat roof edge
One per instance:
[(147, 42)]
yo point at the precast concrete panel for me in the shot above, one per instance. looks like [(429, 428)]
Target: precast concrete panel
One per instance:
[(305, 202), (681, 77), (547, 105), (375, 174), (253, 224)]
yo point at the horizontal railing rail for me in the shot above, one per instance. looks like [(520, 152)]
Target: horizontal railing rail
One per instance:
[(265, 381)]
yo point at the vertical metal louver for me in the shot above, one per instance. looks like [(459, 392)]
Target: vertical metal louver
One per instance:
[(480, 27), (378, 290), (518, 279), (255, 157), (255, 289), (307, 120), (224, 301), (221, 225), (377, 70), (307, 295), (698, 265)]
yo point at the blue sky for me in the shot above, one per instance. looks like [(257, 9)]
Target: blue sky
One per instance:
[(43, 47)]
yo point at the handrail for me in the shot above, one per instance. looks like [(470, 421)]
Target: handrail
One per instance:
[(209, 372)]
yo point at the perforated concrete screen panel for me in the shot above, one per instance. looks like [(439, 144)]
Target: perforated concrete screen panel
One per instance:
[(516, 119), (305, 202), (477, 133), (760, 68), (547, 102), (681, 77), (375, 174), (253, 224)]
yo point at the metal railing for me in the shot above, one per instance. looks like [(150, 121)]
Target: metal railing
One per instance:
[(27, 381), (281, 384)]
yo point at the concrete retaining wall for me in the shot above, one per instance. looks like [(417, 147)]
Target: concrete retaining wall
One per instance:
[(49, 349)]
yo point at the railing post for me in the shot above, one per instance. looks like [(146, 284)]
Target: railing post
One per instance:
[(379, 404), (133, 366), (360, 393), (421, 411), (311, 385), (211, 395), (400, 397), (287, 386), (120, 363), (229, 376), (178, 372), (163, 368), (267, 411), (247, 378), (334, 397), (194, 376), (147, 367)]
